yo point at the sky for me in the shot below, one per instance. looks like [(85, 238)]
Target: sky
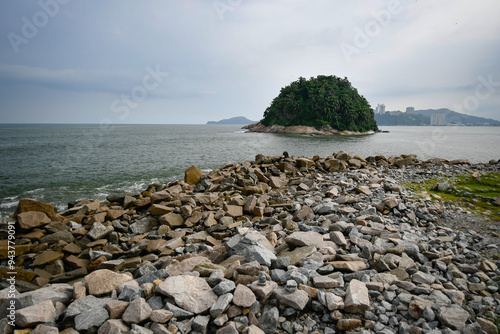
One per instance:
[(192, 61)]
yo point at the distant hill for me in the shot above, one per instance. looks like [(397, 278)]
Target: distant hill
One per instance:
[(240, 120), (423, 117)]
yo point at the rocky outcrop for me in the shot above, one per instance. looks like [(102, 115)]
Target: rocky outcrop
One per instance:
[(276, 245), (301, 129)]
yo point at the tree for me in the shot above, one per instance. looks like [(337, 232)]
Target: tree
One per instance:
[(320, 101)]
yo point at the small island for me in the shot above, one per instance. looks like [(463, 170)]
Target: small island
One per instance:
[(325, 105), (239, 120)]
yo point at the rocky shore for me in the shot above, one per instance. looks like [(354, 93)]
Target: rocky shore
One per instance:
[(326, 130), (276, 245)]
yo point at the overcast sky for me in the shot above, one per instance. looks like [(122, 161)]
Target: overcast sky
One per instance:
[(191, 61)]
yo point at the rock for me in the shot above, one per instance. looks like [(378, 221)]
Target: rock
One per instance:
[(142, 226), (243, 296), (172, 219), (26, 205), (44, 329), (348, 324), (391, 202), (298, 254), (104, 281), (297, 299), (193, 294), (114, 326), (356, 299), (225, 286), (263, 292), (301, 239), (325, 282), (268, 321), (349, 266), (200, 324), (84, 304), (137, 312), (161, 316), (488, 326), (422, 278), (116, 308), (56, 293), (252, 329), (453, 316), (160, 210), (417, 307), (187, 265), (253, 246), (65, 236), (338, 238), (303, 213), (47, 257), (32, 315), (334, 302), (192, 175), (221, 305), (99, 231), (31, 219), (487, 265), (92, 318)]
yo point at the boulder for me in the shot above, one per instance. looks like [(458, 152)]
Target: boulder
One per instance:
[(32, 315), (192, 294), (192, 175), (357, 298), (104, 281), (31, 219)]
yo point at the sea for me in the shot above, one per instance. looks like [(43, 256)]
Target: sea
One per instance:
[(61, 163)]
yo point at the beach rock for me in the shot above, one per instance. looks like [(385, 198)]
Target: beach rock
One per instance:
[(31, 219), (301, 239), (104, 281), (193, 294), (84, 304), (348, 324), (192, 175), (172, 219), (243, 296), (114, 326), (357, 298), (221, 305), (99, 231), (453, 316), (92, 318), (26, 205), (161, 316), (47, 257), (488, 326), (297, 299), (32, 315), (44, 329), (268, 321), (137, 311), (253, 246), (263, 292)]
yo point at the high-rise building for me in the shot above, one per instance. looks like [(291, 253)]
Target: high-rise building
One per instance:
[(380, 109), (410, 110), (437, 119)]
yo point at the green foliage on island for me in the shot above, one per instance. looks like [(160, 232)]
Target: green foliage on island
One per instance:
[(320, 101)]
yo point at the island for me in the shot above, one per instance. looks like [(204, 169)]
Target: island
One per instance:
[(325, 105), (239, 120), (433, 117)]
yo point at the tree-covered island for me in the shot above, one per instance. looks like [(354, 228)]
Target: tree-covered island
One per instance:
[(328, 104)]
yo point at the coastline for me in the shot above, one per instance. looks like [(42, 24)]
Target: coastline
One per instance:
[(305, 130), (296, 235)]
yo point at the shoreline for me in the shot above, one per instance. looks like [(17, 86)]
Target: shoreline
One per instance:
[(301, 238), (305, 130)]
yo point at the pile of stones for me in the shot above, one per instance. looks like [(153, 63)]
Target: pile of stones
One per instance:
[(276, 245)]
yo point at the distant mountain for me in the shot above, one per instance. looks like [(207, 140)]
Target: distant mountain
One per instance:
[(240, 120), (423, 117)]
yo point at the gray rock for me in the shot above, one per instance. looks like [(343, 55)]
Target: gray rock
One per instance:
[(253, 246), (297, 299), (56, 293), (268, 321), (113, 326), (221, 305), (99, 231), (200, 324), (142, 226), (191, 293), (137, 312), (357, 298), (130, 293), (84, 304), (136, 329), (225, 286), (91, 318), (178, 312), (453, 316), (55, 237)]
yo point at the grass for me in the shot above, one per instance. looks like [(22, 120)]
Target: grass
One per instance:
[(474, 192)]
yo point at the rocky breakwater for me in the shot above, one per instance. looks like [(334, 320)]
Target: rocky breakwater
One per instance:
[(276, 245), (302, 129)]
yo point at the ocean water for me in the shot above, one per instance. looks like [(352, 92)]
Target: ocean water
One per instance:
[(61, 163)]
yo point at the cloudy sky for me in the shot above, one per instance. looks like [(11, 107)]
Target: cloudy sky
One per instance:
[(191, 61)]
